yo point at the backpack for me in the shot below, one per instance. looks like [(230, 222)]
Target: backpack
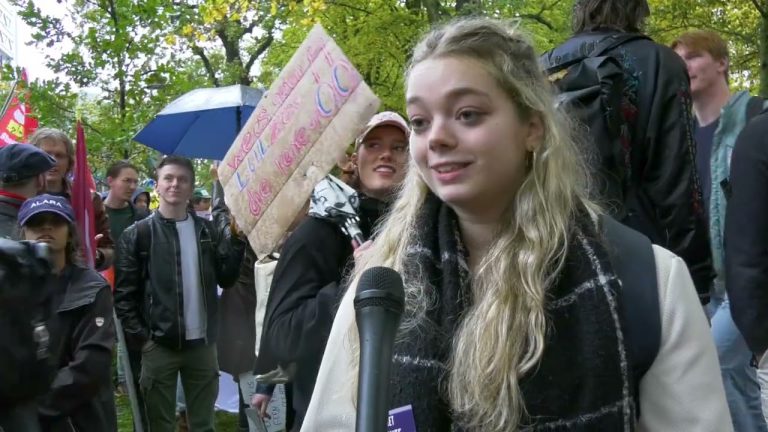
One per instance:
[(755, 106), (591, 87), (26, 364), (640, 295), (143, 239)]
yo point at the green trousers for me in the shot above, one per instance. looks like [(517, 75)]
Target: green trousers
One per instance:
[(199, 370)]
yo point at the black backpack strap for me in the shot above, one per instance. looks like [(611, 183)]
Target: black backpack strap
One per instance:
[(613, 41), (633, 261), (143, 240), (754, 107), (552, 61)]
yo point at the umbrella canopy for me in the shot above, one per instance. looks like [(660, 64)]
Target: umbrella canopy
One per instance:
[(334, 200), (202, 123)]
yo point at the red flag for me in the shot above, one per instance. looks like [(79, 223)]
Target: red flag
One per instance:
[(82, 203), (16, 123)]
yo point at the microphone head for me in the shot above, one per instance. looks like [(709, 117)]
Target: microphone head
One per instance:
[(380, 287)]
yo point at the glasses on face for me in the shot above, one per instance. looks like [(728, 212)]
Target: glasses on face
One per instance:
[(130, 181), (45, 219)]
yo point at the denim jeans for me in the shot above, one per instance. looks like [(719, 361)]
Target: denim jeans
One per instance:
[(739, 376)]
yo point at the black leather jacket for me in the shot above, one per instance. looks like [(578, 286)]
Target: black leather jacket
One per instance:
[(667, 206), (153, 308)]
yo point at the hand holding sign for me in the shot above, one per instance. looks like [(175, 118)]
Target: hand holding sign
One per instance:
[(296, 134)]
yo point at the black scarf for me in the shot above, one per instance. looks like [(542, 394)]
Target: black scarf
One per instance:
[(582, 382)]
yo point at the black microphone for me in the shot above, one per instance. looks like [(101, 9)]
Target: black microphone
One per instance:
[(379, 305)]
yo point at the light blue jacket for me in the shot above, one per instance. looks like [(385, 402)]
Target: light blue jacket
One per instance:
[(733, 118)]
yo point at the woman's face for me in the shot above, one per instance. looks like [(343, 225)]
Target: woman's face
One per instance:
[(58, 150), (48, 228), (468, 139), (382, 161)]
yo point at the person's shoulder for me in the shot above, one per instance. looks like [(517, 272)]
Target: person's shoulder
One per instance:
[(759, 122), (87, 275), (659, 66), (646, 48), (671, 271), (314, 226), (315, 232), (131, 231), (139, 213), (144, 221), (754, 137), (85, 284)]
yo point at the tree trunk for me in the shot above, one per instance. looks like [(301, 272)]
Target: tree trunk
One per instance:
[(434, 10), (764, 56), (468, 7)]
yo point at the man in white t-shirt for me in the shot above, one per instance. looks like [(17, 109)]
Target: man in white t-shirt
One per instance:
[(168, 269)]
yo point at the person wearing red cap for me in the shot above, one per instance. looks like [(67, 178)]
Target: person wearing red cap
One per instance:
[(308, 279)]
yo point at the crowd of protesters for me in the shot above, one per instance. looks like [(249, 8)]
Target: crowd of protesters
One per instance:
[(516, 312)]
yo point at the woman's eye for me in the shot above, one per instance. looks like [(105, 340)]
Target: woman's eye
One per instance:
[(469, 116), (418, 124)]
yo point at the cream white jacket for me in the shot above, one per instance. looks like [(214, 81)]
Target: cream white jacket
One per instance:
[(682, 391)]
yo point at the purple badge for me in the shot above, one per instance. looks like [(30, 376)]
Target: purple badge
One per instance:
[(401, 420)]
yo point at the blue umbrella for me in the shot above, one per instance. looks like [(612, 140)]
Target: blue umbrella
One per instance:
[(202, 123)]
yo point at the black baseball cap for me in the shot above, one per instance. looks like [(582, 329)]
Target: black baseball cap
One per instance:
[(21, 161)]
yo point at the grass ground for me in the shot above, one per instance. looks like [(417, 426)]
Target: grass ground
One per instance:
[(225, 422)]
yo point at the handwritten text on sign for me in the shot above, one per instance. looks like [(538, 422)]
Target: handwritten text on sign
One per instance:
[(316, 107)]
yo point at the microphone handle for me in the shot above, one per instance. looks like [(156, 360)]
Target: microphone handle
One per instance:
[(376, 345)]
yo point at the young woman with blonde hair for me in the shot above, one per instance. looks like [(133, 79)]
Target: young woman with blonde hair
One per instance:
[(310, 274), (513, 317)]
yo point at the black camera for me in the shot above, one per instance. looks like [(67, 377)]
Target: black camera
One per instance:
[(24, 269)]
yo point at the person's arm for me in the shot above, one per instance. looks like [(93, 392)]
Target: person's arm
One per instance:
[(105, 247), (230, 247), (332, 407), (89, 370), (746, 235), (304, 293), (669, 180), (261, 398), (682, 390), (129, 289)]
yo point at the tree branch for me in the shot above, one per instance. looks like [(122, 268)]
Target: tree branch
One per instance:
[(197, 50), (760, 8), (550, 6), (55, 103), (263, 46), (349, 6), (249, 28), (539, 19), (539, 16)]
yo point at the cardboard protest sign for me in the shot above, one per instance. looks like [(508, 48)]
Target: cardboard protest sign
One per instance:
[(295, 136)]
